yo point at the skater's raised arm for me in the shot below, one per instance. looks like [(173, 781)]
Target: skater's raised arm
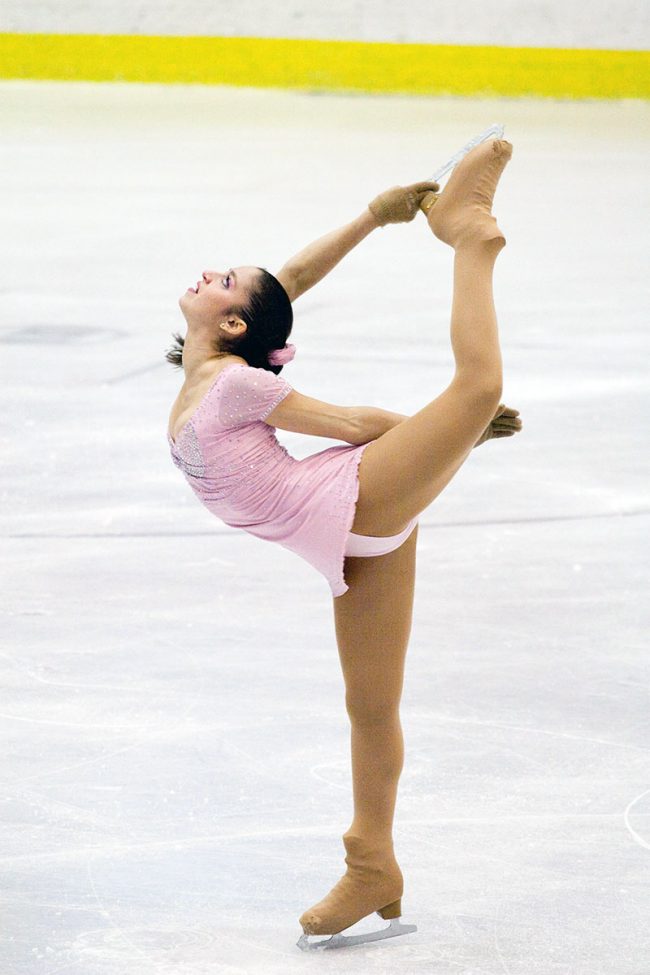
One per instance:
[(306, 268)]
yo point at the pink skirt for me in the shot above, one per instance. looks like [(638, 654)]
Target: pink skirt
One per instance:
[(367, 545)]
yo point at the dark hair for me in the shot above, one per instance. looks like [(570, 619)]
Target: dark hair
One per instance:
[(269, 317)]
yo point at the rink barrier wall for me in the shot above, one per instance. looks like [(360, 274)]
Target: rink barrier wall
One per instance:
[(423, 69)]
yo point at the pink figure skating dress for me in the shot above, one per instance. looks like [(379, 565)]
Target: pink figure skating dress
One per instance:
[(235, 465)]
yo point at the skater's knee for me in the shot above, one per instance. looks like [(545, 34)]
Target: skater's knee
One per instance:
[(480, 387), (371, 709)]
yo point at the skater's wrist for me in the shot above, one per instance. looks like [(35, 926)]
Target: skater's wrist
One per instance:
[(370, 220)]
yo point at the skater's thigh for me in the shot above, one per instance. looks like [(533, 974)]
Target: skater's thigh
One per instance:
[(373, 625), (402, 471)]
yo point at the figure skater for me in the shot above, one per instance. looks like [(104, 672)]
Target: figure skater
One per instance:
[(351, 510)]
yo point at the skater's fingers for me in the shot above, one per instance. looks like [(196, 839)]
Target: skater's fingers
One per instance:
[(424, 186), (427, 200), (503, 410)]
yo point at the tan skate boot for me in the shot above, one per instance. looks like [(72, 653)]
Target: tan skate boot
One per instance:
[(462, 213), (372, 883)]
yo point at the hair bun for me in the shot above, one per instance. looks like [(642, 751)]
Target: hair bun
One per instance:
[(279, 357)]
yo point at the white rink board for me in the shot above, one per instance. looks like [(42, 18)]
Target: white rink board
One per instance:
[(624, 25)]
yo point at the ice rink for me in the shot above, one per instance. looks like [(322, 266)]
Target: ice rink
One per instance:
[(176, 775)]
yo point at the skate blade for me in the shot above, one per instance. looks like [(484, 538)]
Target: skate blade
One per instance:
[(345, 940), (494, 132)]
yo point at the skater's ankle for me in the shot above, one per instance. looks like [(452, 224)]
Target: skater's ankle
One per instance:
[(370, 854), (369, 838), (480, 247)]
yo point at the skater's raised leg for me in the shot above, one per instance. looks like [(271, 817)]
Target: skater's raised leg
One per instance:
[(402, 471)]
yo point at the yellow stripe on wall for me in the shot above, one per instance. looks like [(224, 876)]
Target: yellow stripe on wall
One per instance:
[(427, 69)]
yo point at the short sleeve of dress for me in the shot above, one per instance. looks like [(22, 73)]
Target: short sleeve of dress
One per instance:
[(249, 394)]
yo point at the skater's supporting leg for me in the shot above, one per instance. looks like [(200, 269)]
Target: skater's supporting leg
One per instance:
[(373, 623)]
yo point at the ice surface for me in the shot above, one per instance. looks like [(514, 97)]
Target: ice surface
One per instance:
[(175, 744)]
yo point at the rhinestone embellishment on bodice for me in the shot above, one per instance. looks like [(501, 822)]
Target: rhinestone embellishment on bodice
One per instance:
[(186, 453)]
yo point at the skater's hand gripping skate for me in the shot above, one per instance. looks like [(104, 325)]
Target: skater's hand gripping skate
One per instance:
[(504, 423), (400, 203)]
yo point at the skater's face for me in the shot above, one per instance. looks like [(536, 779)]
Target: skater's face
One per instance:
[(216, 293)]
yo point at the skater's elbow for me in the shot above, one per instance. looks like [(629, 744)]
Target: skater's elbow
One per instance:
[(483, 384)]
